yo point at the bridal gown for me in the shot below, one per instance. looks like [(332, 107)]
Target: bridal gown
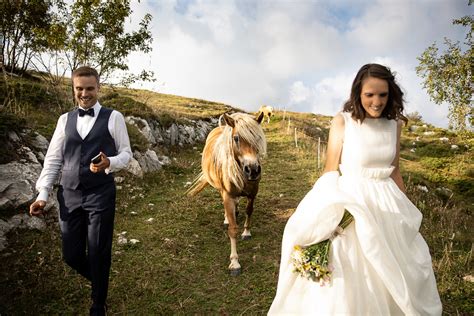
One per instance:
[(381, 263)]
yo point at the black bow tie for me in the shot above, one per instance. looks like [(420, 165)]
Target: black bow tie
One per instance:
[(86, 112)]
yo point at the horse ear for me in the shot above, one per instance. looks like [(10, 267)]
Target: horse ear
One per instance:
[(229, 120), (259, 117)]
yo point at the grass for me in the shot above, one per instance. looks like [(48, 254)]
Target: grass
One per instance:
[(180, 264)]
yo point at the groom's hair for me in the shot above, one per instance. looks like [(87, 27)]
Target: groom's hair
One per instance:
[(85, 71)]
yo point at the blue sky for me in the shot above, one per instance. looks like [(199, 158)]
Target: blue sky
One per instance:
[(300, 55)]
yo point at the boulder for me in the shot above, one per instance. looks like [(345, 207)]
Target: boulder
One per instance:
[(143, 127), (13, 137), (41, 143), (28, 154), (174, 134), (134, 168), (17, 183), (148, 161)]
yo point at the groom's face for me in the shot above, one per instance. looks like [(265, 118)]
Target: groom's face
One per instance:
[(86, 89)]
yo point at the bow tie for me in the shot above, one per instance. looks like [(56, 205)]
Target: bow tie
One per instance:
[(86, 112)]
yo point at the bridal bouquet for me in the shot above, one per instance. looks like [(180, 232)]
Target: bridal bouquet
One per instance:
[(312, 262)]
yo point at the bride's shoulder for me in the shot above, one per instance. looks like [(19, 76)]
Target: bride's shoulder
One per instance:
[(338, 120)]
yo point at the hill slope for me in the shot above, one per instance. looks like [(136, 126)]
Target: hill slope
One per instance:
[(179, 265)]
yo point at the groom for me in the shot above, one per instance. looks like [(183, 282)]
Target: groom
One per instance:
[(86, 191)]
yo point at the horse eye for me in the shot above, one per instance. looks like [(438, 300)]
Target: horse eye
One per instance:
[(236, 139)]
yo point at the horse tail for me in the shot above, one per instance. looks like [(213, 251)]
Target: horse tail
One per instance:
[(198, 185)]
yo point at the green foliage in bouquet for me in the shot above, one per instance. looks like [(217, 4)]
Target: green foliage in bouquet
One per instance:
[(312, 262)]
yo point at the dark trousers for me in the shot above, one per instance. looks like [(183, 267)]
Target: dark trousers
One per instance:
[(87, 246)]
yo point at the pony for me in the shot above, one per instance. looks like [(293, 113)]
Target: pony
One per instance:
[(231, 163), (267, 111)]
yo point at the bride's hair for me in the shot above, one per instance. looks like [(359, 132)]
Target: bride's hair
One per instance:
[(394, 108)]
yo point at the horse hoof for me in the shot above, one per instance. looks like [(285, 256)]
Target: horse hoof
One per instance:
[(235, 272), (226, 226), (246, 237)]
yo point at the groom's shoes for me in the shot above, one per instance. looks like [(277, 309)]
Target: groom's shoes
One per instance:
[(98, 310)]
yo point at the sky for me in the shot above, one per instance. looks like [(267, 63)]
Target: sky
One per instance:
[(298, 55)]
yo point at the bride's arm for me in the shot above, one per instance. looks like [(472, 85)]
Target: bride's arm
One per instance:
[(334, 149), (396, 175)]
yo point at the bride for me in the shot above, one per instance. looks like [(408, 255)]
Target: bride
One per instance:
[(381, 265)]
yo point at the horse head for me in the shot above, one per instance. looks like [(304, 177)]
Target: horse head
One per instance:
[(248, 143)]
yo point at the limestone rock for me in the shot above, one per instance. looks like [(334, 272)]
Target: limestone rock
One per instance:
[(134, 168), (148, 161), (143, 128), (17, 183), (41, 143)]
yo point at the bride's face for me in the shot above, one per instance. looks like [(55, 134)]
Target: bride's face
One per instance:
[(374, 96)]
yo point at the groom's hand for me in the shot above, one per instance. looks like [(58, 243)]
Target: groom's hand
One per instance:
[(37, 208), (102, 165)]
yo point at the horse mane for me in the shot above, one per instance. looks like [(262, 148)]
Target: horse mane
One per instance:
[(248, 130)]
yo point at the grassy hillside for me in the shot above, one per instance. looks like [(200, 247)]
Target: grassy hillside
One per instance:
[(179, 265)]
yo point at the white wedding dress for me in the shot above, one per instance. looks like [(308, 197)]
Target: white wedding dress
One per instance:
[(382, 265)]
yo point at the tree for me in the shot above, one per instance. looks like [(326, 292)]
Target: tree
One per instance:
[(449, 77), (21, 25), (97, 37)]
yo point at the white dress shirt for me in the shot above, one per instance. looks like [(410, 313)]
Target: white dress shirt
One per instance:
[(54, 157)]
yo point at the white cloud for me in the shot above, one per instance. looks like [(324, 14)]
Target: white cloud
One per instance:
[(299, 93), (331, 93), (300, 55)]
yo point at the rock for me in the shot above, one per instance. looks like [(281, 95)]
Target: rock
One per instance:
[(444, 191), (40, 143), (164, 160), (187, 134), (143, 127), (468, 278), (157, 132), (422, 188), (19, 221), (17, 183), (134, 168), (37, 223), (414, 128), (149, 161), (28, 154), (5, 226), (429, 133), (122, 240), (13, 137), (444, 139), (174, 134), (454, 147), (3, 242)]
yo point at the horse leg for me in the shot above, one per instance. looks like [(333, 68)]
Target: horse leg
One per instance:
[(248, 213), (229, 207), (226, 221)]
